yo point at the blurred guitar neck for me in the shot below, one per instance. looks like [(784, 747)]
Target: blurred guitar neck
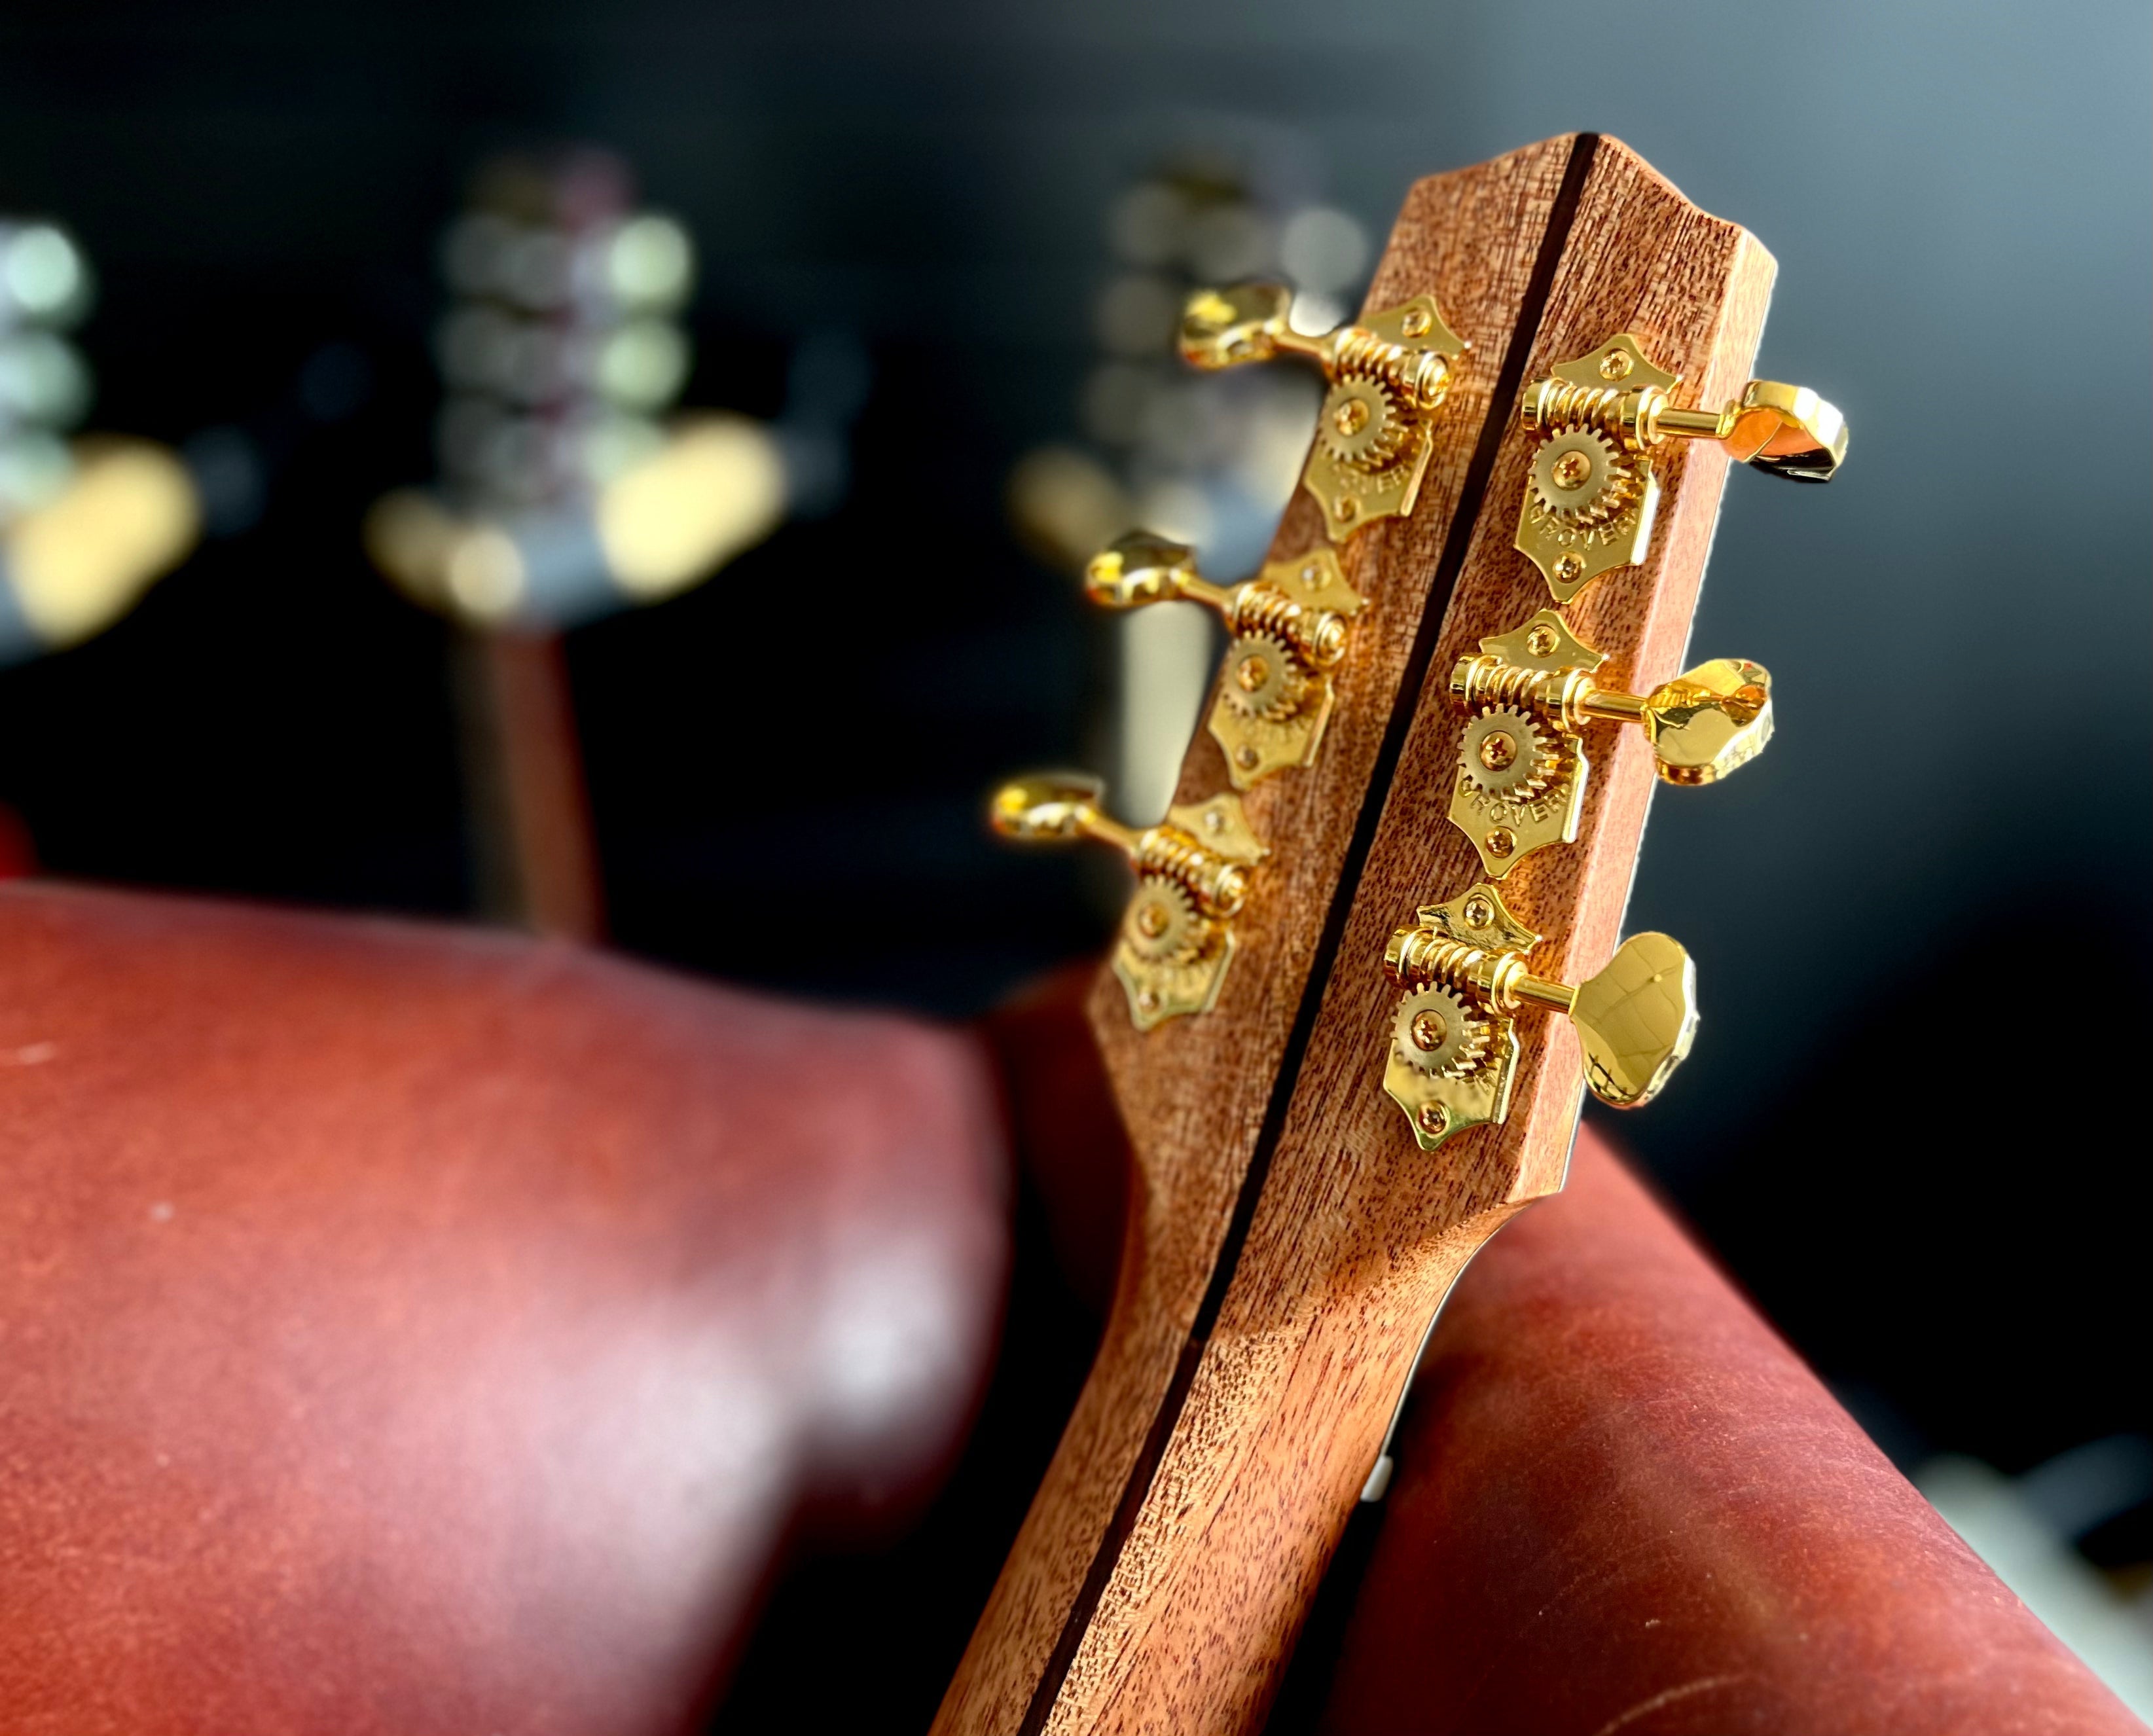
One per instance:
[(536, 849)]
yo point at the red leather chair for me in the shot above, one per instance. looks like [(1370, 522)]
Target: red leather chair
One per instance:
[(407, 1329)]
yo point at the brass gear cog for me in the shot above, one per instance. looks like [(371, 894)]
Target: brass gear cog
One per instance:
[(1582, 480), (1161, 925), (1509, 753), (1435, 1032), (1362, 424), (1264, 678)]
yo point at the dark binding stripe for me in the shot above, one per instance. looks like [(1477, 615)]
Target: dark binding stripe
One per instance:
[(1507, 382)]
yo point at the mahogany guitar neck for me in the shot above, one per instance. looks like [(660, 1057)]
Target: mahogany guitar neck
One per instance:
[(1288, 1241)]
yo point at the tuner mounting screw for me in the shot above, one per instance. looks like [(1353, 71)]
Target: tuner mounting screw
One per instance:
[(1571, 471), (1432, 1119), (1569, 568), (1501, 841)]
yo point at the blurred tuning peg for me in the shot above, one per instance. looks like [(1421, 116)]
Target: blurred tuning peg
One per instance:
[(75, 563), (567, 493), (716, 486), (1389, 372)]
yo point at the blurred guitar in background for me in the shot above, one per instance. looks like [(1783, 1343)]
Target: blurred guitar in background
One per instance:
[(86, 525), (565, 494)]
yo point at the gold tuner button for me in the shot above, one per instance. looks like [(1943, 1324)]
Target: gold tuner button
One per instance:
[(1176, 937), (1702, 725), (1389, 371), (1783, 430), (1460, 968), (1241, 322), (1592, 492), (1528, 696), (1637, 1019), (1288, 629)]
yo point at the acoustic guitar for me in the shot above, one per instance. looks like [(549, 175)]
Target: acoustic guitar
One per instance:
[(1373, 951)]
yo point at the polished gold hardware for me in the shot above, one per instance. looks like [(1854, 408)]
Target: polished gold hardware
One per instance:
[(1388, 373), (1290, 625), (1177, 936), (1452, 1050), (1592, 495), (1528, 694)]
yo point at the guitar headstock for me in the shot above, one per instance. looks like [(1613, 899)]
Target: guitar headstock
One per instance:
[(1515, 477)]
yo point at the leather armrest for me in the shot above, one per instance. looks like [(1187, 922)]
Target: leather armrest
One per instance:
[(409, 1329), (1622, 1504)]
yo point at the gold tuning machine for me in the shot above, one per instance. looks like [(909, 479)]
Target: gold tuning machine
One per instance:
[(1177, 936), (1592, 495), (1528, 694), (1288, 627), (1388, 372), (1452, 1048)]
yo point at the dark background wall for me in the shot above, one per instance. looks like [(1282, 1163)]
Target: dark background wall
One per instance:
[(1907, 1125)]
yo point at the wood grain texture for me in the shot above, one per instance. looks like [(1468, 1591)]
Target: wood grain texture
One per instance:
[(1252, 1359), (1193, 1092)]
